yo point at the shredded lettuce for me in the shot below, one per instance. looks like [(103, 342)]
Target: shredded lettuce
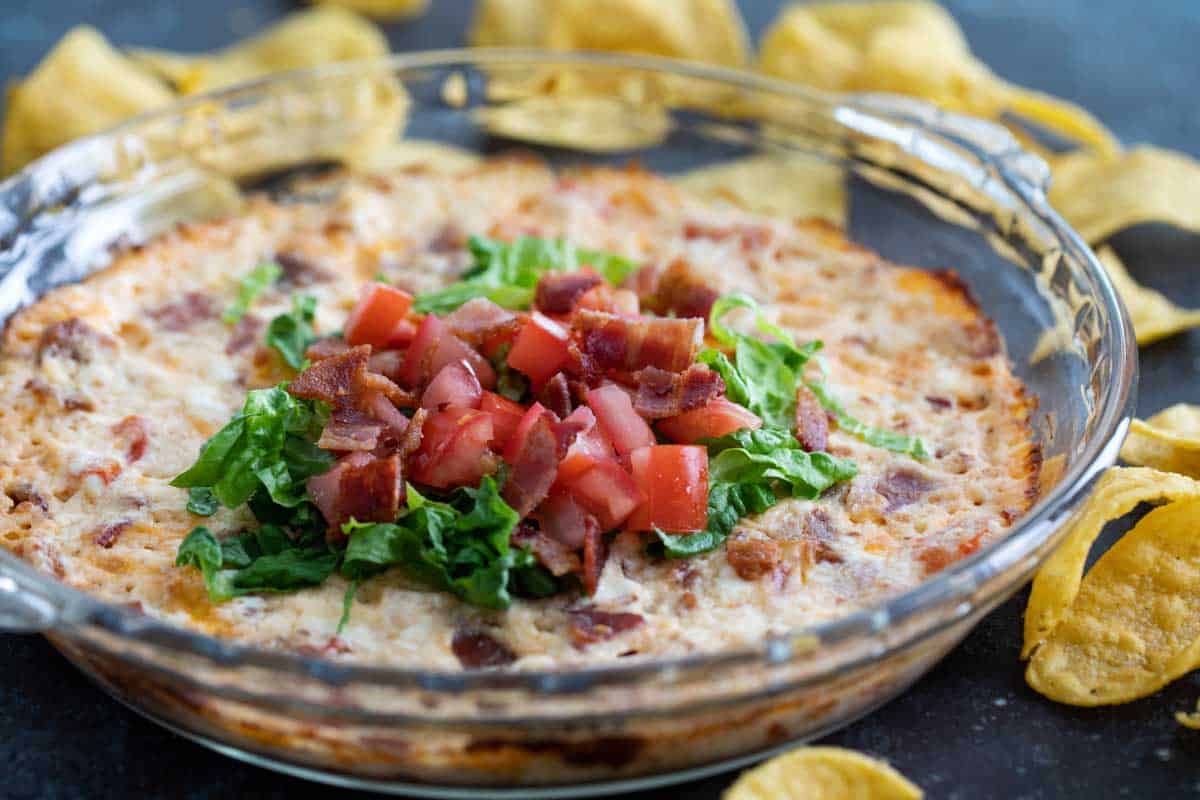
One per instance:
[(250, 287), (292, 333), (268, 446), (265, 560), (507, 274), (461, 546)]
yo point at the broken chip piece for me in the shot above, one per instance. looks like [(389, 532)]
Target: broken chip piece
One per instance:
[(1100, 196), (911, 47), (1134, 625), (82, 86), (381, 9), (823, 773), (1154, 316)]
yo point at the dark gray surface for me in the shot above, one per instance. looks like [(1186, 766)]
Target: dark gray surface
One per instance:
[(971, 728)]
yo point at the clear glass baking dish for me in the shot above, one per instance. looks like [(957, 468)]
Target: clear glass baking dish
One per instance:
[(924, 187)]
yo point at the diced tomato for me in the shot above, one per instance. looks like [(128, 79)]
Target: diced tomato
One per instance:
[(589, 447), (403, 334), (433, 348), (516, 442), (623, 426), (719, 418), (506, 415), (455, 385), (454, 449), (540, 349), (607, 492), (376, 314), (562, 518), (674, 479)]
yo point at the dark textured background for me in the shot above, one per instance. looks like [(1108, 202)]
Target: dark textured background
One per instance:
[(971, 728)]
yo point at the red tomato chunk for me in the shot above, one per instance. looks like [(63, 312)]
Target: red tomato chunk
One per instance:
[(623, 426), (540, 349), (674, 479), (719, 418), (506, 415), (377, 315), (454, 449)]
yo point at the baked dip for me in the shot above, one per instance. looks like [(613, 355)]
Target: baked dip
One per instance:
[(506, 418)]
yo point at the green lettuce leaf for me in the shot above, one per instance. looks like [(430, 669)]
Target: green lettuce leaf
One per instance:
[(256, 562), (267, 446), (461, 546), (507, 274), (292, 333), (249, 288), (876, 437), (202, 502)]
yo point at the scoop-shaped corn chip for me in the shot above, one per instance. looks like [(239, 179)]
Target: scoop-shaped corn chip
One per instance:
[(319, 36), (1100, 196), (1154, 316), (776, 185), (381, 9), (1057, 583), (595, 124), (1169, 441), (700, 30), (911, 47), (822, 773), (82, 86), (1135, 624)]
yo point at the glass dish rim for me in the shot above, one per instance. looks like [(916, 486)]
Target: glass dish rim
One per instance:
[(78, 608)]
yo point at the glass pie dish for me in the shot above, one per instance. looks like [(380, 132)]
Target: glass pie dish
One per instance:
[(923, 187)]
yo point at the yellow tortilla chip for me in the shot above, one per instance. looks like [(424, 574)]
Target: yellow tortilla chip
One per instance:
[(1153, 315), (699, 30), (1057, 583), (82, 86), (1168, 441), (381, 9), (911, 47), (822, 773), (1135, 624), (319, 36), (1100, 196), (777, 185), (1189, 719), (594, 124)]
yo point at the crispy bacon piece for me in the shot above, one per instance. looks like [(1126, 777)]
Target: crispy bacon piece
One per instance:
[(819, 533), (533, 454), (559, 292), (334, 378), (324, 348), (300, 271), (902, 486), (552, 554), (476, 649), (106, 535), (556, 395), (350, 429), (595, 553), (72, 338), (608, 343), (667, 394), (751, 556), (244, 333), (136, 430), (681, 292), (812, 424), (371, 382), (360, 485), (479, 319), (589, 624), (411, 441), (185, 312)]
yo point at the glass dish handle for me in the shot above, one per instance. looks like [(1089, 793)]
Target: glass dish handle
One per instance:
[(24, 609)]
